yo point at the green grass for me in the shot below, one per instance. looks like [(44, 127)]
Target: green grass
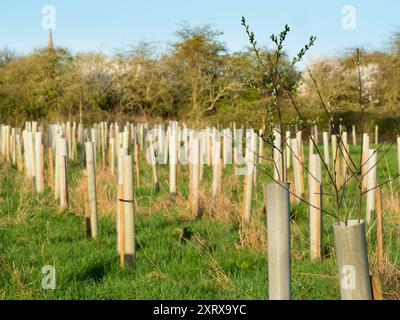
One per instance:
[(210, 265)]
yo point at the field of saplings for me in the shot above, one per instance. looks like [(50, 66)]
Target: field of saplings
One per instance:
[(136, 210)]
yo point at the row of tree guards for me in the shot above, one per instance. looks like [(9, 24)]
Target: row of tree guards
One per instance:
[(118, 146)]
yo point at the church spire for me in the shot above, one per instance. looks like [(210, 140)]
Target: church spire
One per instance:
[(50, 45)]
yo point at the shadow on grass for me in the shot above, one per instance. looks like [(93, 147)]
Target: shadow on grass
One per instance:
[(92, 272)]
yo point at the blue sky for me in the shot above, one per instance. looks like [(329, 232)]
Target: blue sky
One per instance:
[(99, 25)]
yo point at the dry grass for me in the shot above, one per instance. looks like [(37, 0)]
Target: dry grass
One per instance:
[(391, 207), (226, 209), (165, 202), (213, 269), (76, 196), (13, 273), (253, 236), (20, 211), (106, 189), (157, 275), (388, 272), (389, 276), (223, 209)]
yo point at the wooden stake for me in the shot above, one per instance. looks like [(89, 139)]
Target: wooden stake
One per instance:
[(376, 288)]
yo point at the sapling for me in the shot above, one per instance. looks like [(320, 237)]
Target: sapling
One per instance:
[(279, 84)]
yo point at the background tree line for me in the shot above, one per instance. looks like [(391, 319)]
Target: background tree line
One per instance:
[(196, 78)]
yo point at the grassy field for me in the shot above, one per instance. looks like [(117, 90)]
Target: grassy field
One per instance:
[(178, 257)]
